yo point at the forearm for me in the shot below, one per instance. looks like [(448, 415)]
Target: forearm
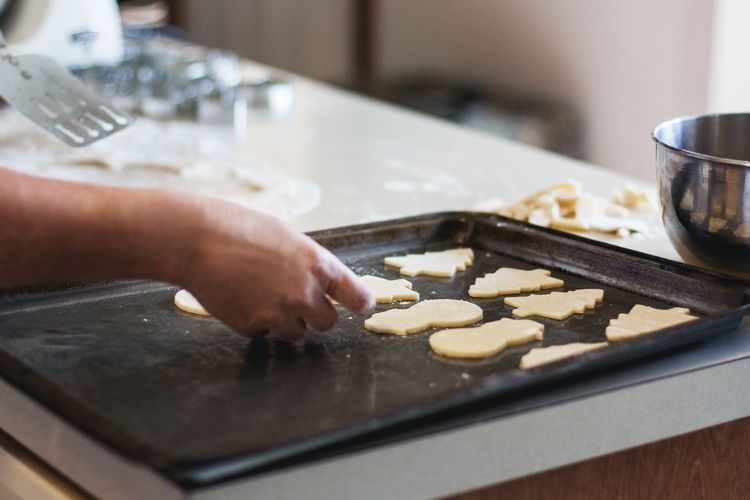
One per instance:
[(60, 232), (248, 269)]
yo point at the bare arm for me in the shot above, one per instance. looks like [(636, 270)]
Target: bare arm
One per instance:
[(246, 268)]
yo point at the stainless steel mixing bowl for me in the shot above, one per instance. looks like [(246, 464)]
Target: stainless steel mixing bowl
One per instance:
[(703, 172)]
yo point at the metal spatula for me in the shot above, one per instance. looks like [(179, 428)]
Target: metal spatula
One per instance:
[(47, 94)]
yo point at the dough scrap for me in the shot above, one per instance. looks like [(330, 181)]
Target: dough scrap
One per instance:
[(485, 340), (421, 316), (596, 214), (440, 264), (543, 355), (567, 207), (522, 209), (387, 291), (185, 301), (556, 305), (507, 281), (634, 198), (644, 319)]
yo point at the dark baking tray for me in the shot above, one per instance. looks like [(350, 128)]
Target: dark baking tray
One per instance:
[(190, 398)]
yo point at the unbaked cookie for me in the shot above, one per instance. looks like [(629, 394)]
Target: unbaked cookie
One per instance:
[(485, 340), (421, 316), (543, 355), (556, 305), (644, 319), (386, 291), (440, 264), (508, 280)]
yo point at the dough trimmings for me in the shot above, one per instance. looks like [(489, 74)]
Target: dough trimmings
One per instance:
[(595, 214), (567, 207), (556, 305), (441, 264), (634, 198), (508, 281), (486, 340), (644, 319), (563, 193), (421, 316), (185, 301), (387, 291), (543, 355)]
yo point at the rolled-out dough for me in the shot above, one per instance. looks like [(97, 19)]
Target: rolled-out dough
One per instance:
[(184, 300), (440, 264), (485, 340), (644, 319), (421, 316), (556, 305), (386, 291), (543, 355), (508, 280)]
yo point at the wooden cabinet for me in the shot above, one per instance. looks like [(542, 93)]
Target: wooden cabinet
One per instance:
[(706, 464)]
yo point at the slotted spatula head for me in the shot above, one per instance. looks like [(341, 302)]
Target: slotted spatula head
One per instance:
[(51, 97)]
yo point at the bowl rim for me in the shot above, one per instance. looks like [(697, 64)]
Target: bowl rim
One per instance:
[(696, 154)]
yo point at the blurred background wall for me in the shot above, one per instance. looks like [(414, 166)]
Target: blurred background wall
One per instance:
[(310, 37), (618, 68), (623, 66)]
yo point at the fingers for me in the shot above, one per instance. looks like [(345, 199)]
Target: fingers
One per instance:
[(293, 296), (289, 328), (347, 288), (252, 332), (321, 315)]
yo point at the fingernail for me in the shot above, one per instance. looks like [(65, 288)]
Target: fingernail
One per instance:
[(367, 303)]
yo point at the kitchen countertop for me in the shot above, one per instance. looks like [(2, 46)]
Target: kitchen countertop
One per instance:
[(373, 162)]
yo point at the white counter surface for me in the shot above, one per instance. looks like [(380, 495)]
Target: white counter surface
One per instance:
[(374, 162)]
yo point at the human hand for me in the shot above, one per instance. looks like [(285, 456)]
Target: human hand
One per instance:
[(258, 276)]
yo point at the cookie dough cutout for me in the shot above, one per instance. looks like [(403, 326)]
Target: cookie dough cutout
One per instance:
[(508, 281), (421, 316), (644, 319), (387, 291), (440, 264), (543, 355), (486, 340), (556, 305), (185, 301)]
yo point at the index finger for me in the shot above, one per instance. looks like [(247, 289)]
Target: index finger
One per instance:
[(347, 288)]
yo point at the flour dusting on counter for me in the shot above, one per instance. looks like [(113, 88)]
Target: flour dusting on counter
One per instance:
[(177, 155)]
